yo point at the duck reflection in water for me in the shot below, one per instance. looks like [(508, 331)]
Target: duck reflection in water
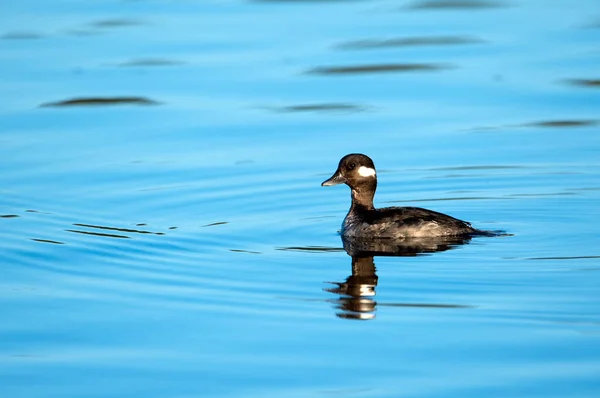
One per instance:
[(357, 293)]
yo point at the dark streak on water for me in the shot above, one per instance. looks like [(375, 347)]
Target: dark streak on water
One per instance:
[(243, 251), (21, 36), (83, 32), (116, 23), (243, 162), (408, 42), (329, 108), (150, 62), (378, 68), (544, 124), (9, 216), (594, 25), (48, 241), (318, 217), (563, 123), (162, 188), (137, 231), (304, 1), (101, 101), (456, 5), (590, 83), (97, 234), (27, 356), (216, 223)]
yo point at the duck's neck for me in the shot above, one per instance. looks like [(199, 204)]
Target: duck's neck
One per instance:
[(362, 196)]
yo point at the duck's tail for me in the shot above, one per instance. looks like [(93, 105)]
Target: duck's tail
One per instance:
[(495, 233)]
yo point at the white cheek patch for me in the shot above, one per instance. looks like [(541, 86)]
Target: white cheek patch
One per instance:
[(366, 171)]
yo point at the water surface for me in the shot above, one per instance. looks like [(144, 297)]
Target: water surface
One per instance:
[(164, 232)]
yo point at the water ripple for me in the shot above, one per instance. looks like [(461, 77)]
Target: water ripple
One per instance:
[(378, 68), (368, 44), (116, 23), (558, 123), (456, 5), (320, 108), (588, 83), (22, 35), (150, 62), (101, 101)]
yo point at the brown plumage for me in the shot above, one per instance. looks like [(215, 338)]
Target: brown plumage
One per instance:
[(364, 220)]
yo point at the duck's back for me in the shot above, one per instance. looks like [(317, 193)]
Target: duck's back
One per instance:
[(402, 222)]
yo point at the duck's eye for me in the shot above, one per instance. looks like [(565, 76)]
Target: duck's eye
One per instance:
[(351, 166)]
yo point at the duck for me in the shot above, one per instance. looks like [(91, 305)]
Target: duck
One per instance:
[(365, 221)]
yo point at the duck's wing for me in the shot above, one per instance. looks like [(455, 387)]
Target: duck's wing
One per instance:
[(416, 221)]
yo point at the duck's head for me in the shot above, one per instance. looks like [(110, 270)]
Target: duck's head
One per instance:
[(353, 170)]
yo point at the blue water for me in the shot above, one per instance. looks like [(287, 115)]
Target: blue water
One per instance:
[(164, 232)]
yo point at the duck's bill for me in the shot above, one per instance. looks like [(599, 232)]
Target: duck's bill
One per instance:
[(334, 180)]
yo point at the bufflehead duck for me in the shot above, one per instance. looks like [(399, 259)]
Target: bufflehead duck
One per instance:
[(365, 221)]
